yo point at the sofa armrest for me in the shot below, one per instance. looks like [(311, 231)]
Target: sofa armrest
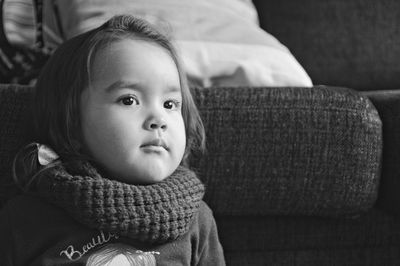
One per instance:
[(289, 151), (387, 102)]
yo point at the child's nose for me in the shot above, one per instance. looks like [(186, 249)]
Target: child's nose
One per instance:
[(155, 122)]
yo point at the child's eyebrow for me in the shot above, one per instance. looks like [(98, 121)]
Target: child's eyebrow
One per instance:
[(121, 84), (135, 86)]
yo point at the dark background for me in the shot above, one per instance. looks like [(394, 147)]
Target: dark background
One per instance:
[(353, 43)]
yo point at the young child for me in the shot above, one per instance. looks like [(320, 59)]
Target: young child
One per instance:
[(107, 183)]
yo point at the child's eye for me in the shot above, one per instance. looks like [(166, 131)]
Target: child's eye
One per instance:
[(129, 100), (171, 104)]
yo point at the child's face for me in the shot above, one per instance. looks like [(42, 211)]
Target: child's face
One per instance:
[(131, 114)]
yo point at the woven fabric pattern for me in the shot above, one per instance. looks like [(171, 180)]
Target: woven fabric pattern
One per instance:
[(355, 256), (15, 132), (388, 105), (297, 151), (344, 43), (277, 233), (153, 213)]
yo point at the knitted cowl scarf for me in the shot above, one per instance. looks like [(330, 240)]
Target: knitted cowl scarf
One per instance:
[(155, 213)]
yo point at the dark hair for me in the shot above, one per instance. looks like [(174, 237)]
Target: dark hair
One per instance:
[(67, 73)]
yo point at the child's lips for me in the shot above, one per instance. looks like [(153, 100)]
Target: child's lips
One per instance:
[(155, 144)]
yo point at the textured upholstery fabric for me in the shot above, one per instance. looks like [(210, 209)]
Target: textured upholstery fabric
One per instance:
[(307, 151), (339, 42), (370, 239), (267, 233), (14, 132), (355, 256), (388, 105), (297, 151)]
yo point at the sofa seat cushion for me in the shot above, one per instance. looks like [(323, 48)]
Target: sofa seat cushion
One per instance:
[(283, 233), (355, 256)]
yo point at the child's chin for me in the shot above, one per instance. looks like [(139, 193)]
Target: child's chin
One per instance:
[(149, 181), (145, 174), (148, 177)]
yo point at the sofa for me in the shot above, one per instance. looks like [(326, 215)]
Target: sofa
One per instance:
[(294, 175)]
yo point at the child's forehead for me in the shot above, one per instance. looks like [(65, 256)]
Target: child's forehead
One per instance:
[(131, 44), (135, 49), (134, 62)]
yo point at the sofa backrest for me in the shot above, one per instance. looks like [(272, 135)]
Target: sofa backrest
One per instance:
[(352, 43), (296, 151)]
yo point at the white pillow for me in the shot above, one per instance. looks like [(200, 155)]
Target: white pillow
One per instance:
[(220, 41)]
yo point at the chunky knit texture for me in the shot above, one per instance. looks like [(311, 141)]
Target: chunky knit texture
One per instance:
[(154, 213)]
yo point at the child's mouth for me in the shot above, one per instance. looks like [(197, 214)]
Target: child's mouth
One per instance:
[(155, 145)]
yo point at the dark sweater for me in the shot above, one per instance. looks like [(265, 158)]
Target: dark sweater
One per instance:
[(34, 232)]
